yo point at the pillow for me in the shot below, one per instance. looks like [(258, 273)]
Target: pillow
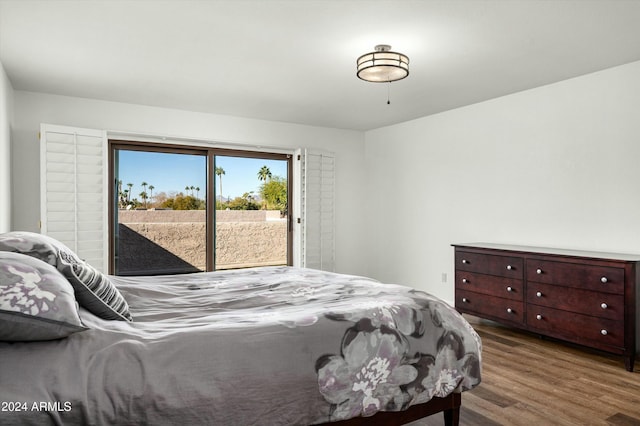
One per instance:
[(36, 301), (94, 291), (32, 244)]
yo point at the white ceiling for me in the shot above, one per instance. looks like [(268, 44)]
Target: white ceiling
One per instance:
[(294, 61)]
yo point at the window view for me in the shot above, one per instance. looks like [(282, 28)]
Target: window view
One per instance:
[(251, 212), (161, 212), (161, 224)]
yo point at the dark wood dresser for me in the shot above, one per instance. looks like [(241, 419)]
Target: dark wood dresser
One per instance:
[(588, 298)]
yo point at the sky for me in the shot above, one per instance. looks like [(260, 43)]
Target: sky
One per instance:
[(171, 173)]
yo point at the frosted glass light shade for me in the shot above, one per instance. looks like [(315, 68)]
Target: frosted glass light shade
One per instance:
[(383, 65)]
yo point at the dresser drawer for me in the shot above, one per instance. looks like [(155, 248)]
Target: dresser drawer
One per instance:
[(508, 288), (589, 277), (502, 266), (597, 304), (578, 328), (495, 307)]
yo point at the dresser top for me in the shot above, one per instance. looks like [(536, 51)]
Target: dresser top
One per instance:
[(556, 251)]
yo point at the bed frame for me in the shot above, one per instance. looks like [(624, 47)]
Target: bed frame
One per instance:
[(449, 406)]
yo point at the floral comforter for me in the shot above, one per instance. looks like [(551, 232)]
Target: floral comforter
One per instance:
[(264, 346)]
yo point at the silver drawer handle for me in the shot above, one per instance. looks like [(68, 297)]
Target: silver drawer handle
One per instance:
[(604, 306), (539, 294), (538, 317), (464, 300), (538, 271), (464, 280), (465, 261), (510, 310), (604, 332), (604, 280), (509, 288), (509, 267)]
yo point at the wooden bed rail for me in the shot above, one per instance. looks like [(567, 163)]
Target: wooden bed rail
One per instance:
[(449, 406)]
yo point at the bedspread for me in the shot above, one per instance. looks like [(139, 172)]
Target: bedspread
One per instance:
[(263, 346)]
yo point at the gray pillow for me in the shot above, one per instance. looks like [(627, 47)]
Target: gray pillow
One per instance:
[(94, 291), (36, 300)]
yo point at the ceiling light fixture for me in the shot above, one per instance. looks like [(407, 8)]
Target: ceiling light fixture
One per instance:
[(383, 65)]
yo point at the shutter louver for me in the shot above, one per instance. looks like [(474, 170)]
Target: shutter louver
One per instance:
[(73, 193), (318, 248)]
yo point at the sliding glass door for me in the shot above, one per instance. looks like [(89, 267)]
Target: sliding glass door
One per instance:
[(180, 210)]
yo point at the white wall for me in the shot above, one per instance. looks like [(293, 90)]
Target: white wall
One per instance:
[(553, 166), (31, 109), (6, 115)]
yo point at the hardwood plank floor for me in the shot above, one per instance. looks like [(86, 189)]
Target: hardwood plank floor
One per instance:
[(527, 381)]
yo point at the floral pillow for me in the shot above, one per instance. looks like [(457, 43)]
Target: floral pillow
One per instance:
[(94, 291), (36, 300), (32, 244)]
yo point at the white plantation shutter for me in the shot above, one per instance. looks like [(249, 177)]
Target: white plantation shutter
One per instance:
[(317, 209), (73, 193)]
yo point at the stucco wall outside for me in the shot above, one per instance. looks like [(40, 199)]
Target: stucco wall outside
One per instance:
[(167, 241)]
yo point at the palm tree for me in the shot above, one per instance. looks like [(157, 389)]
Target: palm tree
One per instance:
[(264, 173), (186, 190), (151, 188), (144, 197), (130, 185), (121, 195), (197, 192), (248, 196), (192, 188), (144, 191), (220, 172)]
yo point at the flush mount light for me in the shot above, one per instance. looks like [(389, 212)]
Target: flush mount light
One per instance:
[(383, 65)]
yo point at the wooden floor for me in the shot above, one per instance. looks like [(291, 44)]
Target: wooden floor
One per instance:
[(527, 381)]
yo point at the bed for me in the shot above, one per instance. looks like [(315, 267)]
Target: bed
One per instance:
[(260, 346)]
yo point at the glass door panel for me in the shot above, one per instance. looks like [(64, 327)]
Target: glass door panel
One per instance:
[(160, 212), (251, 212)]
